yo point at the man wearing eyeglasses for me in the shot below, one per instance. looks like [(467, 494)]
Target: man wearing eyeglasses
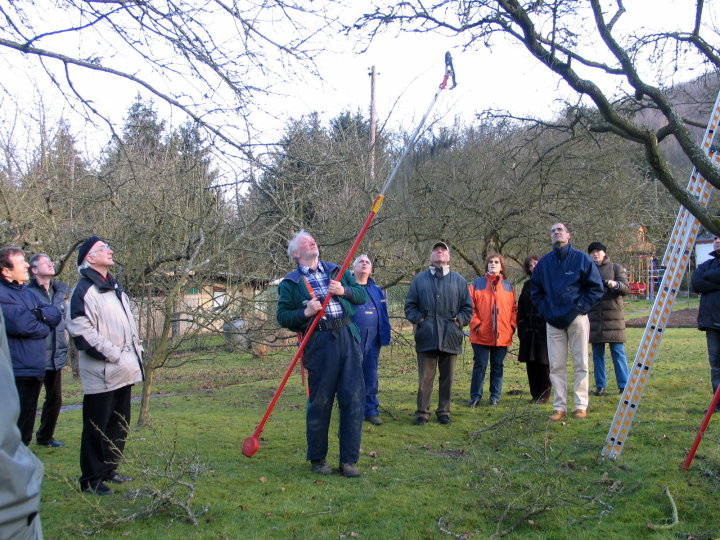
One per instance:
[(53, 292), (565, 285), (101, 323)]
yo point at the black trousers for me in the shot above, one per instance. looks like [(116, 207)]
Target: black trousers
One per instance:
[(51, 406), (539, 381), (106, 418), (28, 389)]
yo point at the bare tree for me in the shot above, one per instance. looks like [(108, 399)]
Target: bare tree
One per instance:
[(211, 60), (586, 45)]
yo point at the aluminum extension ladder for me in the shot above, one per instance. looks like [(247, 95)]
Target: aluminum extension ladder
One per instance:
[(676, 258)]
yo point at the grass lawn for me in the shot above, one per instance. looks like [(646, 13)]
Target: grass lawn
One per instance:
[(501, 470)]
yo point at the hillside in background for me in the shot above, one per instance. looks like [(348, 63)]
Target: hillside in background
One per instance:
[(694, 100)]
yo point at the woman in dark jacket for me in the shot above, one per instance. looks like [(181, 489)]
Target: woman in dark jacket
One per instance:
[(607, 320), (533, 340)]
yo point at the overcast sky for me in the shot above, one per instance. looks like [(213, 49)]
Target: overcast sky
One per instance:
[(409, 67)]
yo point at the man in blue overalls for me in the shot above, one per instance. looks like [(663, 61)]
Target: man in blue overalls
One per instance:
[(332, 356), (374, 324)]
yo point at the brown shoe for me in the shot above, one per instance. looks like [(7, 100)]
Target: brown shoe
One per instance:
[(580, 413), (558, 415)]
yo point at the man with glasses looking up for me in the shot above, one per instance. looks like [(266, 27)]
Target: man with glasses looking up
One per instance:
[(565, 285), (55, 293), (101, 323)]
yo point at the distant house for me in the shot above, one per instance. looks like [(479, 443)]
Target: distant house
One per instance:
[(207, 308)]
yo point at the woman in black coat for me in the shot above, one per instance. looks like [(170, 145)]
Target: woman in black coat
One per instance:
[(533, 340)]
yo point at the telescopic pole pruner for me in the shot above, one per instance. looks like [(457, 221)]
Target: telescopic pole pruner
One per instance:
[(252, 443)]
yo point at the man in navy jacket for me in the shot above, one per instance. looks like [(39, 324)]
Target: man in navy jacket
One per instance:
[(28, 322), (565, 285)]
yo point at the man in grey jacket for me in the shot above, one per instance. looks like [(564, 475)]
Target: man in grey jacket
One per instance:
[(54, 293), (101, 323), (439, 305), (20, 471)]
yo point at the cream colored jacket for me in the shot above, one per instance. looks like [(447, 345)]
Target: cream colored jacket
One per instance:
[(103, 328)]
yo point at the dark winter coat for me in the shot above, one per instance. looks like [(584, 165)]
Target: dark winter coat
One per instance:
[(607, 317), (438, 307), (531, 330), (56, 341), (706, 282), (565, 284), (28, 321)]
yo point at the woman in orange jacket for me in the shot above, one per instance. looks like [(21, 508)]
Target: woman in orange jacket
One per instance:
[(491, 327)]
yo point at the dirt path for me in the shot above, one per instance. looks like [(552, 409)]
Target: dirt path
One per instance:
[(684, 318)]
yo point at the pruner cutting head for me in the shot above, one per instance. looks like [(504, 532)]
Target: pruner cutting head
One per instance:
[(449, 72)]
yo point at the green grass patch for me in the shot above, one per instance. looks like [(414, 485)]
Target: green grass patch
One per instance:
[(504, 470)]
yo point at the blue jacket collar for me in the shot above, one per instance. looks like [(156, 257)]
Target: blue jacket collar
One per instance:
[(562, 251), (12, 284)]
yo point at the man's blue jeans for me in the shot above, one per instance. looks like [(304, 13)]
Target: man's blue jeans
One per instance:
[(480, 358), (713, 346), (617, 351)]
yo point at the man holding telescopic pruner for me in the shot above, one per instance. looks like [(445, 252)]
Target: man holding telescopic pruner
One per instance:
[(332, 356)]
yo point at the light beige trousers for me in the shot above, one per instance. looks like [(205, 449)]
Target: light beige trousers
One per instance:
[(575, 339)]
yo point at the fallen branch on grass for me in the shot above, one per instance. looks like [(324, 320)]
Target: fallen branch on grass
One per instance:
[(462, 536), (522, 519), (674, 521), (513, 416)]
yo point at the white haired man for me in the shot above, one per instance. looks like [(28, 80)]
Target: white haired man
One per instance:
[(332, 356)]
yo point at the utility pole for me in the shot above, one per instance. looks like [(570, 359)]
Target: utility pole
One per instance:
[(373, 128)]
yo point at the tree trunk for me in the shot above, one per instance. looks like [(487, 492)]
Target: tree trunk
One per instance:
[(144, 417)]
